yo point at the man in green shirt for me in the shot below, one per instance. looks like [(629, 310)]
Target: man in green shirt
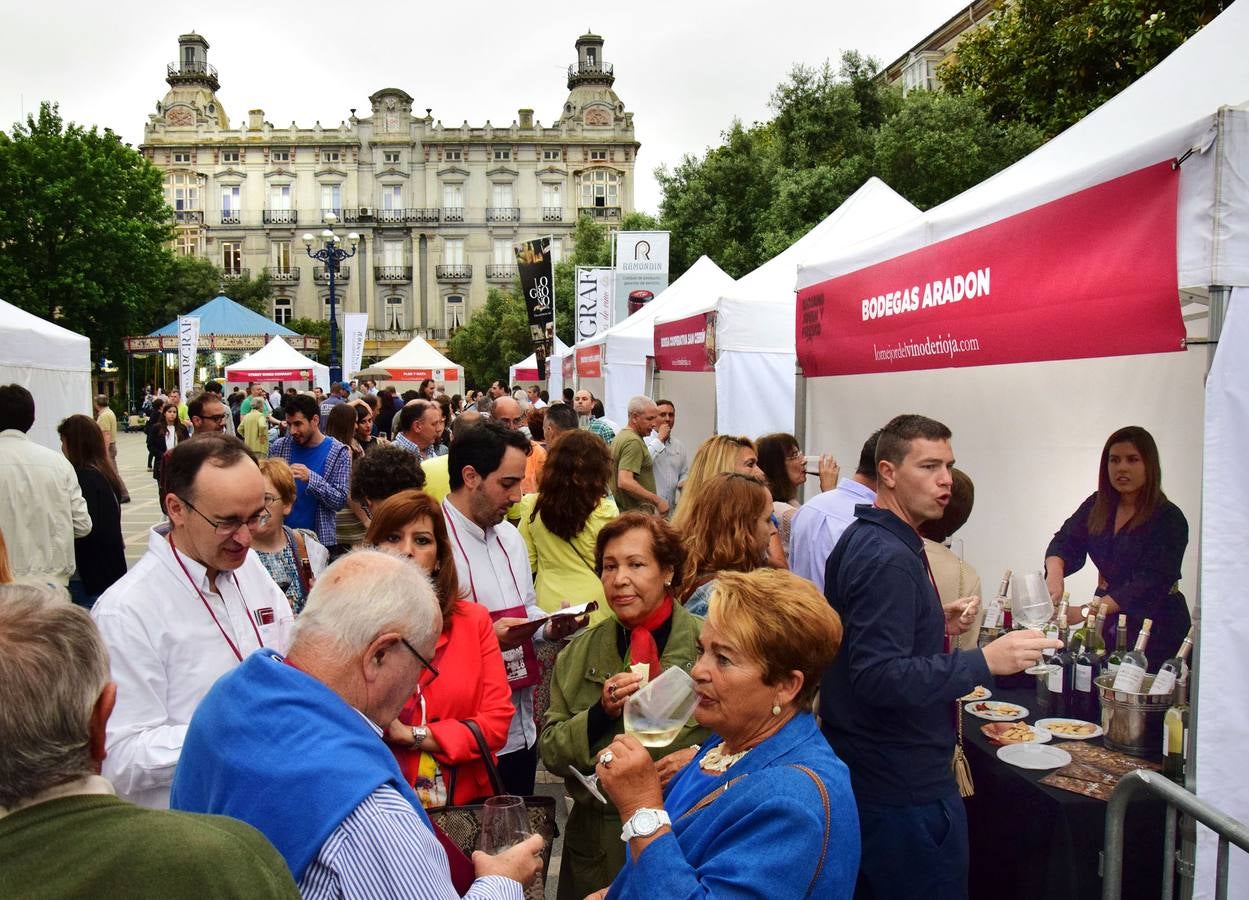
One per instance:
[(254, 430), (633, 472), (63, 832)]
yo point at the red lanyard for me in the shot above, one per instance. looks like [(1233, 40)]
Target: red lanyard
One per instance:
[(455, 533), (207, 606)]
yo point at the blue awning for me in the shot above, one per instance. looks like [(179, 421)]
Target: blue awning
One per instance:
[(221, 315)]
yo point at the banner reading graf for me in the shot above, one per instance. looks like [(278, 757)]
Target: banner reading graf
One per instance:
[(537, 283), (188, 347), (594, 291)]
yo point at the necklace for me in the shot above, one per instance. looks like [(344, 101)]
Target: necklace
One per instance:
[(717, 761)]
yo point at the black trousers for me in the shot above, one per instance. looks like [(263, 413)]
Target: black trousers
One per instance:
[(517, 769)]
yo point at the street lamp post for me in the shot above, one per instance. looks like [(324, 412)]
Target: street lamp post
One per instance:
[(332, 255)]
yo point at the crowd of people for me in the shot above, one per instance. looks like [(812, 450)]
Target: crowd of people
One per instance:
[(352, 618)]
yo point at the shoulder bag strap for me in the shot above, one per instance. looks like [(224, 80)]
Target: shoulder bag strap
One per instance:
[(300, 549), (496, 782), (819, 786), (711, 797)]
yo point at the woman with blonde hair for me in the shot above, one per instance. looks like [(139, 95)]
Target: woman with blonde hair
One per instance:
[(728, 527)]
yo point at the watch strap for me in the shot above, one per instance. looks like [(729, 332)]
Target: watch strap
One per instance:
[(661, 816)]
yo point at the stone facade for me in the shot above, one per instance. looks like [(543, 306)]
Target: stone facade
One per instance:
[(437, 207), (917, 68)]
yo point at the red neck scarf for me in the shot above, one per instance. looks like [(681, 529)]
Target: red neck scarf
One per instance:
[(642, 646)]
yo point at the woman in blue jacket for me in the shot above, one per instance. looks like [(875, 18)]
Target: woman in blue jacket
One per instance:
[(765, 808)]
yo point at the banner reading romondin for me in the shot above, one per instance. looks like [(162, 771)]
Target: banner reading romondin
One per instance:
[(641, 271), (593, 301), (533, 258), (188, 347)]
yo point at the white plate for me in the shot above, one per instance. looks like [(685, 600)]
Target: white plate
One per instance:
[(980, 692), (1034, 756), (1043, 723), (992, 715)]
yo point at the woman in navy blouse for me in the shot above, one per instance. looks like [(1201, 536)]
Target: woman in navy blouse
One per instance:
[(1135, 536)]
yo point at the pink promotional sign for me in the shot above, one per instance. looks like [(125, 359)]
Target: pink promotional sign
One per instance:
[(268, 375), (1090, 274), (527, 375), (566, 366), (686, 345), (590, 361), (422, 374)]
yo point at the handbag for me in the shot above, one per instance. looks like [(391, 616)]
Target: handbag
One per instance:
[(462, 824)]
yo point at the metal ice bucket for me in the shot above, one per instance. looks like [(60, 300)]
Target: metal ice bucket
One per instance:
[(1132, 721)]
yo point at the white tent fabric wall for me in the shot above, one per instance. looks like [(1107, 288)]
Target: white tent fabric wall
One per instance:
[(1224, 666), (51, 362), (693, 395), (622, 381), (754, 393), (278, 356), (555, 373)]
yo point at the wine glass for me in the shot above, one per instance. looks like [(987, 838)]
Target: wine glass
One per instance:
[(504, 824), (654, 715), (1032, 608)]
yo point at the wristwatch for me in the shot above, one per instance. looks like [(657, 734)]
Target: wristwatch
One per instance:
[(419, 733), (644, 823)]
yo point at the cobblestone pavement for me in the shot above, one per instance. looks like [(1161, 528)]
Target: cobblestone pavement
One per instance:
[(143, 511)]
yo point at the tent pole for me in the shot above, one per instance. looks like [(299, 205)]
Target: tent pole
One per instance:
[(800, 412)]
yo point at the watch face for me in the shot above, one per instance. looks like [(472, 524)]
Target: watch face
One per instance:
[(645, 822)]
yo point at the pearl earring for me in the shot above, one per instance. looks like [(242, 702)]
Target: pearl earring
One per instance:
[(776, 709)]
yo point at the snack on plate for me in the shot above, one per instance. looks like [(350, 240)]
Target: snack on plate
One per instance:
[(1003, 733), (996, 709), (1070, 729), (980, 692)]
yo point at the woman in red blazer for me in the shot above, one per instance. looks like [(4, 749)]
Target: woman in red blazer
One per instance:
[(437, 752)]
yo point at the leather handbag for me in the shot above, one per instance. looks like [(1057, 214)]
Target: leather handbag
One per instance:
[(462, 824)]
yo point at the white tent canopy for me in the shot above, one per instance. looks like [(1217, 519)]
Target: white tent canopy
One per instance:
[(418, 360), (51, 362), (279, 361), (626, 345), (527, 370), (754, 326)]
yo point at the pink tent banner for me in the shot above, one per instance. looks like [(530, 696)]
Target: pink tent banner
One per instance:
[(1091, 274), (233, 375), (686, 345)]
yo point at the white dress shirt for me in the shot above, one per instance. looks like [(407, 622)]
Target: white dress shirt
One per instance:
[(165, 652), (817, 526), (41, 510), (493, 568)]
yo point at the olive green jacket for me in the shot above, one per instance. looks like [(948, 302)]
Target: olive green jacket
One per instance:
[(593, 851)]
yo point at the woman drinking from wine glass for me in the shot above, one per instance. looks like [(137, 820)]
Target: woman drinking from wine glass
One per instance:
[(765, 809), (1135, 536), (639, 558)]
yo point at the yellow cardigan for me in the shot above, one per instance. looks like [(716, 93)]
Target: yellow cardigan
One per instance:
[(565, 568)]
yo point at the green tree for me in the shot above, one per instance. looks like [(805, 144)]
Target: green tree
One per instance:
[(253, 291), (495, 337), (318, 328), (191, 281), (1051, 62), (84, 227)]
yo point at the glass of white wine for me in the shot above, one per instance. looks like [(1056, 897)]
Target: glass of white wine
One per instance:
[(654, 715), (1032, 607)]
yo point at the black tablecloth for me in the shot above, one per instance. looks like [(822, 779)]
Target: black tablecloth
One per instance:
[(1030, 840)]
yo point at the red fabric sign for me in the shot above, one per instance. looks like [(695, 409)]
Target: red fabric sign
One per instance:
[(590, 361), (268, 375), (687, 345), (526, 375), (422, 374), (566, 365), (1090, 274)]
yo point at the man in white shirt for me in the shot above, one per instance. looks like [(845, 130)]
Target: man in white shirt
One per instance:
[(671, 459), (534, 394), (196, 604), (42, 508), (486, 467), (818, 524)]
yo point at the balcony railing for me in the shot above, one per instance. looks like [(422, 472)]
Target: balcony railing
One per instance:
[(392, 273), (600, 212), (282, 274), (453, 214), (588, 71), (321, 273), (231, 217), (237, 273), (425, 215), (458, 272), (391, 216), (358, 215), (502, 214), (500, 272), (193, 70), (325, 211), (188, 216), (281, 216), (552, 214)]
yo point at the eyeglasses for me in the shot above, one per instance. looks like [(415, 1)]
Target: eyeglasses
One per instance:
[(795, 454), (218, 419), (230, 527), (433, 672)]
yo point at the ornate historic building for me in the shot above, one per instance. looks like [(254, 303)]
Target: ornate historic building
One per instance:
[(437, 207), (917, 68)]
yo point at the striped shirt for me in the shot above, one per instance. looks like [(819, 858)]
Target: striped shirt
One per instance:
[(384, 849), (433, 450), (602, 429)]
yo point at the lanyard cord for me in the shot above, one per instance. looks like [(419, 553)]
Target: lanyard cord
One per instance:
[(472, 587), (208, 606)]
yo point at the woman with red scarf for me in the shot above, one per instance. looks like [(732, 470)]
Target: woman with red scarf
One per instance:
[(437, 752), (641, 562)]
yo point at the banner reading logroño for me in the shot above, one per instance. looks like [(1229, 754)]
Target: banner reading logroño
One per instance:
[(687, 345), (537, 285), (593, 301), (1090, 274), (188, 348), (641, 271)]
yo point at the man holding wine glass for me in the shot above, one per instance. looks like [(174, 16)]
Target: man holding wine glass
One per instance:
[(886, 701)]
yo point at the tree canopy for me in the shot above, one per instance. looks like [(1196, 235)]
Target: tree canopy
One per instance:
[(495, 337)]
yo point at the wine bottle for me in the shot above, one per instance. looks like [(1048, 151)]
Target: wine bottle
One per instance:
[(1121, 647), (1085, 667), (1173, 669), (1099, 628), (1050, 629), (997, 606), (1175, 735), (1058, 680), (1135, 663)]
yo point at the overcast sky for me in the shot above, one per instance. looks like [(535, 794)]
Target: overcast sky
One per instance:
[(685, 69)]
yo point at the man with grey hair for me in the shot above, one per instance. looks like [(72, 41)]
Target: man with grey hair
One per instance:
[(63, 832), (633, 470), (559, 419), (344, 817), (420, 427)]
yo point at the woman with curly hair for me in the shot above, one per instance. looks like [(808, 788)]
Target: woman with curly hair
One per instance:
[(561, 522), (728, 529)]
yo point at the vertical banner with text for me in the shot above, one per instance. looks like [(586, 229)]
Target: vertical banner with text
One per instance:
[(188, 347), (354, 326), (594, 297), (641, 271), (533, 258)]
